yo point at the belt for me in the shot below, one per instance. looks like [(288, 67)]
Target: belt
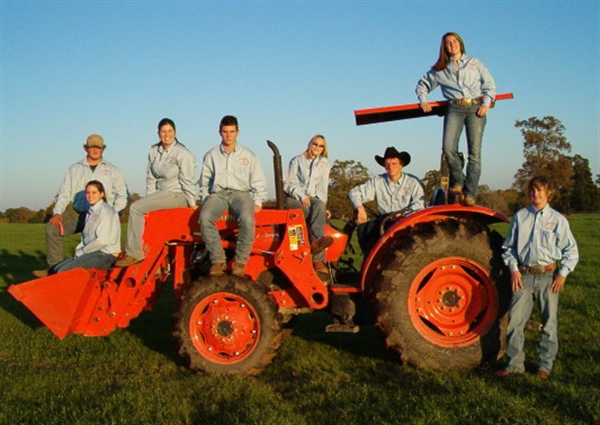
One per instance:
[(537, 269), (466, 101)]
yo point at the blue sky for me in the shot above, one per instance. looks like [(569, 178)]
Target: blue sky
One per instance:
[(287, 70)]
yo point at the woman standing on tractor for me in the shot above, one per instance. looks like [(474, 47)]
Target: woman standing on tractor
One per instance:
[(170, 183), (306, 188), (470, 90), (101, 237)]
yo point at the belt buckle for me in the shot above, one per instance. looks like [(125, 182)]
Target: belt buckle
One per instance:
[(537, 269), (464, 102)]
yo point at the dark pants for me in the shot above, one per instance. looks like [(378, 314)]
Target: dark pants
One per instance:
[(368, 233), (73, 222)]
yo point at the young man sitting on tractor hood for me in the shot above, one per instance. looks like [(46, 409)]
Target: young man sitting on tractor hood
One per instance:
[(231, 179), (394, 192)]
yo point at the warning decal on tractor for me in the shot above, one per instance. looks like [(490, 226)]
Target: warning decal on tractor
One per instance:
[(296, 236)]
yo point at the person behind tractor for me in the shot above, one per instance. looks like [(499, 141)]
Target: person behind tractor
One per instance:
[(170, 183), (395, 193), (306, 188), (101, 237), (71, 207), (470, 90), (539, 238), (231, 179)]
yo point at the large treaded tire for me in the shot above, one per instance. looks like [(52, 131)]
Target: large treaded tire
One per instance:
[(228, 326), (442, 293)]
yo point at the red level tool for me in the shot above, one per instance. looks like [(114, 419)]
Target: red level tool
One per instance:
[(410, 110)]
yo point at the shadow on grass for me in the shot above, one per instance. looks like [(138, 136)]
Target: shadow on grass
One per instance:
[(368, 342), (154, 328), (15, 269)]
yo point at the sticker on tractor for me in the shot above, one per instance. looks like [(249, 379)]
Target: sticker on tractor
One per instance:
[(296, 236)]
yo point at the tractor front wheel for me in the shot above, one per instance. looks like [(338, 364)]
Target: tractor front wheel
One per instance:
[(442, 294), (228, 325)]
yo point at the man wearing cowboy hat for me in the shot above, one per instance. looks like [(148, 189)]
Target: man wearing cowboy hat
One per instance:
[(71, 207), (393, 191)]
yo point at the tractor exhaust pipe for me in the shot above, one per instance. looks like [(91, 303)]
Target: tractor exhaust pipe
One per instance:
[(278, 173)]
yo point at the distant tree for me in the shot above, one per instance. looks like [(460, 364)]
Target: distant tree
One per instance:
[(48, 212), (125, 215), (585, 196), (431, 180), (344, 176), (39, 217), (504, 201), (544, 149), (19, 215), (269, 203)]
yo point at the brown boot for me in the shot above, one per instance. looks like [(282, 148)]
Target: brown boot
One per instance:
[(127, 261), (40, 273), (239, 270), (217, 269), (320, 267)]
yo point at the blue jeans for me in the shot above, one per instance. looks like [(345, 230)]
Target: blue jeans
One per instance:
[(161, 200), (535, 288), (241, 206), (315, 216), (93, 260), (73, 222), (455, 120)]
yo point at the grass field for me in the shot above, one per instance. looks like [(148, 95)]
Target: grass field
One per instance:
[(134, 375)]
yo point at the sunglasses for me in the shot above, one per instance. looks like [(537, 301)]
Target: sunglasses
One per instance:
[(317, 145)]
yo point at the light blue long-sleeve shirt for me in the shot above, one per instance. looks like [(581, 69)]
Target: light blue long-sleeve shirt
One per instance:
[(468, 77), (102, 231), (237, 170), (540, 238), (406, 192), (172, 170), (308, 178), (77, 177)]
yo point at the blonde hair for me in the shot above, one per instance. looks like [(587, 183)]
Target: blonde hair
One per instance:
[(317, 136)]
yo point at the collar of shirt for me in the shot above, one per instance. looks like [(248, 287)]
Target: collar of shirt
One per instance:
[(224, 152), (162, 150)]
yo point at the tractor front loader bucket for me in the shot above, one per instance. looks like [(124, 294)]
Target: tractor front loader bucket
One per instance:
[(63, 302)]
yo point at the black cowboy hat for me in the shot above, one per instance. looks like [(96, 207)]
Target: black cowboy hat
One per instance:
[(391, 152)]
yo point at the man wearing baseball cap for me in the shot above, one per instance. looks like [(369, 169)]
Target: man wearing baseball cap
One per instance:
[(394, 192), (71, 207)]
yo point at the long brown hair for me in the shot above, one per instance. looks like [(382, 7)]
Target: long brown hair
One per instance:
[(443, 59)]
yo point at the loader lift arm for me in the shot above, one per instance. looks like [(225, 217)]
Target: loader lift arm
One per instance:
[(407, 111)]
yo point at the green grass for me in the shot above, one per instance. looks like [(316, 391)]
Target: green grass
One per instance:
[(134, 375)]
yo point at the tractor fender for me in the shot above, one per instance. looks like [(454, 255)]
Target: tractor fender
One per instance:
[(440, 212)]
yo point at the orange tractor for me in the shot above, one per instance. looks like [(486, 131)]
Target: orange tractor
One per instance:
[(434, 284)]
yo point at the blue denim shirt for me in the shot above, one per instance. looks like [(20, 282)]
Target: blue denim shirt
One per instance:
[(172, 170), (308, 178), (390, 197), (237, 170), (540, 237), (467, 77)]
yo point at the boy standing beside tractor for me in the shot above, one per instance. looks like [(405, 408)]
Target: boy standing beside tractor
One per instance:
[(538, 239)]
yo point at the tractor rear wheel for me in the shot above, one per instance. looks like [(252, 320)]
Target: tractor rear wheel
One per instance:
[(442, 295), (228, 325)]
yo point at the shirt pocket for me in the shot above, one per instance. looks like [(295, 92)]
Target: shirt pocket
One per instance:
[(548, 238)]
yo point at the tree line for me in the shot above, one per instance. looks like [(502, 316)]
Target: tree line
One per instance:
[(545, 152)]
